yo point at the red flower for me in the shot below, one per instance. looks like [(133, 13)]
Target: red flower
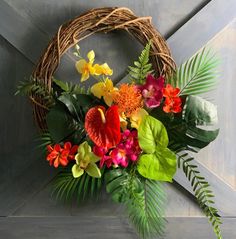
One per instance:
[(173, 101), (61, 156), (103, 127)]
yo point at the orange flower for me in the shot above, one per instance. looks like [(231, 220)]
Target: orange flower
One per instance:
[(173, 101), (128, 99), (61, 156)]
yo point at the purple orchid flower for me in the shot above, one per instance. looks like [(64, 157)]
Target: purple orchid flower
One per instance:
[(152, 91)]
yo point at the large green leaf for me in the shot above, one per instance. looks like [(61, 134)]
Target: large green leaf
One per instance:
[(78, 104), (198, 111), (197, 75), (60, 124), (160, 165), (151, 133)]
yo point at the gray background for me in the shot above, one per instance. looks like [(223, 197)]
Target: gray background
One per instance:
[(26, 207)]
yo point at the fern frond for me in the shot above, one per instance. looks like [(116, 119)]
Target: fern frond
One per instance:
[(142, 67), (197, 75), (30, 87), (66, 187), (202, 191), (144, 201)]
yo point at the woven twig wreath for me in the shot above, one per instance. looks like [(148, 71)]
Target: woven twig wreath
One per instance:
[(99, 20)]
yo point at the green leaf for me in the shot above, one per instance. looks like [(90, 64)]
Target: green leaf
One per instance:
[(198, 111), (59, 123), (151, 133), (63, 85), (160, 165)]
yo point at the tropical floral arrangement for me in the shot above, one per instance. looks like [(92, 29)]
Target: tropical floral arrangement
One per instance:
[(132, 137)]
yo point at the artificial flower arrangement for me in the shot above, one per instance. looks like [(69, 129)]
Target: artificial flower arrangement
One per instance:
[(131, 137)]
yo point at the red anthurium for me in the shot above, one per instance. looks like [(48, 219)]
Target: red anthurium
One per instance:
[(103, 127)]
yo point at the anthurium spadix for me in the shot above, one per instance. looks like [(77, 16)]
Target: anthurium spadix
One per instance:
[(157, 161), (86, 162)]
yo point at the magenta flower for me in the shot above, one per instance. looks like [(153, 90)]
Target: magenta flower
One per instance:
[(152, 91), (127, 150), (119, 156)]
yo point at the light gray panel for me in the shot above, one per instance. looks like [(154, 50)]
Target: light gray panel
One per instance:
[(104, 228), (201, 28), (167, 15), (22, 168)]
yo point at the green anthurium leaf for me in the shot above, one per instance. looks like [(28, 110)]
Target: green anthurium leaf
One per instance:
[(60, 124), (77, 171), (160, 165), (151, 133), (198, 111), (93, 170)]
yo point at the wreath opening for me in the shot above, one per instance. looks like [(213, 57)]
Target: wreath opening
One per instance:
[(130, 137)]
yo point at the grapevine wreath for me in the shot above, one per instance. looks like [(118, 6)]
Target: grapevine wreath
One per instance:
[(131, 137)]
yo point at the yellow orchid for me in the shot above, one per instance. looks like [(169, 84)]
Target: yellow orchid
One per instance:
[(137, 117), (104, 89), (103, 69), (86, 68)]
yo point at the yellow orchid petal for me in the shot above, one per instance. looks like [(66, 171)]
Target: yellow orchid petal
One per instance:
[(109, 84), (91, 56), (80, 65), (91, 69), (97, 89), (97, 69), (103, 69), (108, 99), (93, 170), (137, 117), (106, 69), (77, 171), (84, 76)]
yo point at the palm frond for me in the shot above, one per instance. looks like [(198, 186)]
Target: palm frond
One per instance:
[(141, 67), (197, 75), (144, 201), (71, 88), (45, 139), (202, 191), (66, 187)]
